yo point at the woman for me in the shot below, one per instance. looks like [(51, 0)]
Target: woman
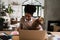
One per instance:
[(26, 21)]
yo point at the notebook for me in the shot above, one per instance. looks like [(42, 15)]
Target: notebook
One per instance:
[(32, 35)]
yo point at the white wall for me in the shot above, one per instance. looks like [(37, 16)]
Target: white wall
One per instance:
[(18, 9)]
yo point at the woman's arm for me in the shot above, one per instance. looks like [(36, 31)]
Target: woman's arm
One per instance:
[(36, 25)]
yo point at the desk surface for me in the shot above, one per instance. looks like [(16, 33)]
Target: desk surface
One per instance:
[(56, 33), (15, 37), (54, 36)]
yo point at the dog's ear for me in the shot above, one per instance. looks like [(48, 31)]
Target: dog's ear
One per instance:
[(38, 21)]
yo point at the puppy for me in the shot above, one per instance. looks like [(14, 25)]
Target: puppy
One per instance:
[(35, 25)]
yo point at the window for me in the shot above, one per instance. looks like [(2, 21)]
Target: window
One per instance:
[(39, 7)]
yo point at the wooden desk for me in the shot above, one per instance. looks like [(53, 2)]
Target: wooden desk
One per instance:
[(8, 32), (56, 33), (14, 37)]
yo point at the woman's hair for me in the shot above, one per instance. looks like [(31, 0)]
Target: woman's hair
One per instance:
[(30, 9)]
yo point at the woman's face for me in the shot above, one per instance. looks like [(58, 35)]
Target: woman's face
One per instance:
[(28, 16)]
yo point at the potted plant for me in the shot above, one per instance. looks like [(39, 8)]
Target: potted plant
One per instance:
[(9, 9)]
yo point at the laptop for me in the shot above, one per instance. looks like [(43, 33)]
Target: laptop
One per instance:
[(32, 35)]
